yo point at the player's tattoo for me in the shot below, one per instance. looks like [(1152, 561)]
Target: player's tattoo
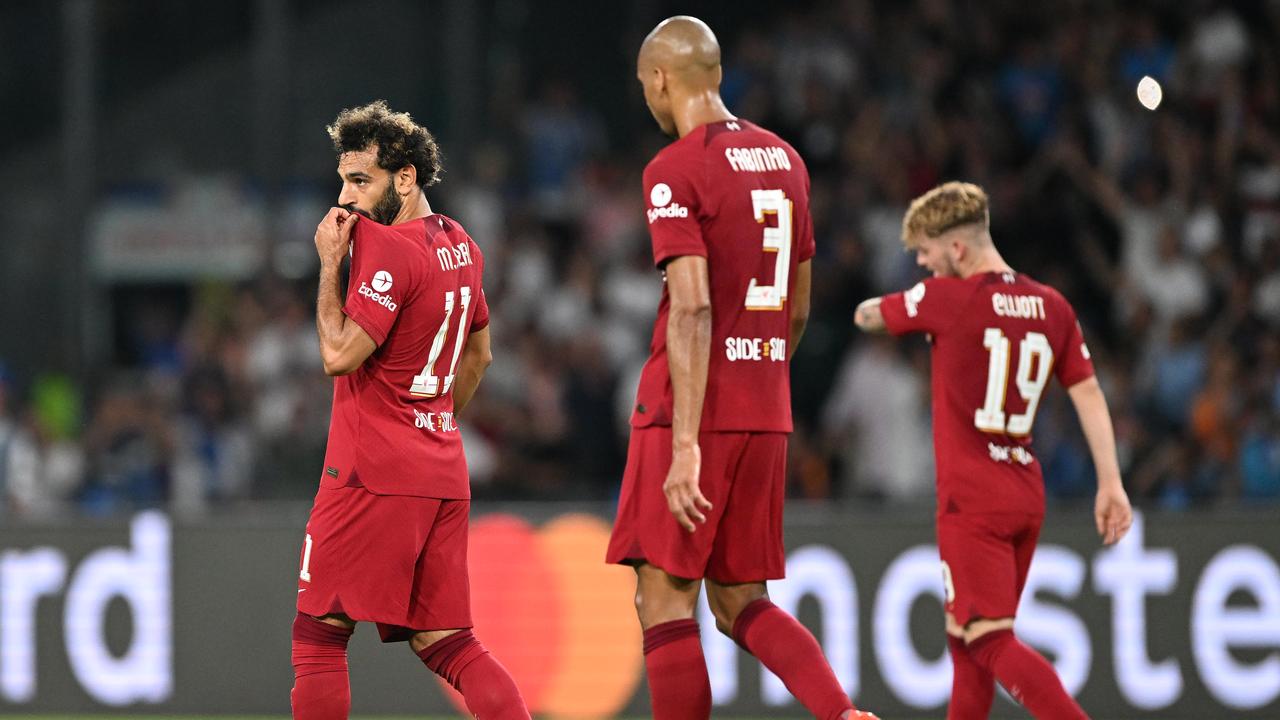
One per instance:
[(868, 316)]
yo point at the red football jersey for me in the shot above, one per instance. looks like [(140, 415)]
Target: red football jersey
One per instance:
[(737, 195), (415, 288), (996, 339)]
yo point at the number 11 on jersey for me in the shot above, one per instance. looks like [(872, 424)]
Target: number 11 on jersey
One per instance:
[(427, 383)]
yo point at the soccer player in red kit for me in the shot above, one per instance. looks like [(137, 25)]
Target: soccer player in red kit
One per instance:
[(387, 538), (997, 336), (702, 494)]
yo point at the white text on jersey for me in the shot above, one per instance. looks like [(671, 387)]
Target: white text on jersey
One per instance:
[(757, 159), (1010, 454), (435, 422), (1018, 306), (755, 349), (454, 257), (383, 300)]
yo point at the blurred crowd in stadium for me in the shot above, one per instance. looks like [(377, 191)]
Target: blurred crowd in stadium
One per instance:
[(1162, 228)]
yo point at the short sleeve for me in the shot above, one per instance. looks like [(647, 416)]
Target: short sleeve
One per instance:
[(1074, 361), (380, 281), (930, 306), (672, 208), (480, 318)]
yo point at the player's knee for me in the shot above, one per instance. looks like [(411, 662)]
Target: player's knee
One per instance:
[(420, 641), (983, 626), (727, 603)]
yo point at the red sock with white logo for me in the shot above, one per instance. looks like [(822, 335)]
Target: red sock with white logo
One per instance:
[(679, 688), (1028, 677), (972, 687), (321, 690), (485, 684), (791, 652)]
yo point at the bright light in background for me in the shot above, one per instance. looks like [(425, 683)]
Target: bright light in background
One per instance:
[(1149, 92)]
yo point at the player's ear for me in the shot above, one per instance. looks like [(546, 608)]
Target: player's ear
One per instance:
[(659, 80), (406, 178)]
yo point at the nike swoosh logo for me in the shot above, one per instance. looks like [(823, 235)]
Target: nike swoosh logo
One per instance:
[(302, 590)]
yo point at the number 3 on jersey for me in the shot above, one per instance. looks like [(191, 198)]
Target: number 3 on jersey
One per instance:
[(427, 383), (1033, 353), (776, 240)]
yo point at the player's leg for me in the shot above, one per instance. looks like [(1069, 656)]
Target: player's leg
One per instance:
[(460, 658), (321, 689), (679, 687), (747, 551), (441, 602), (664, 556), (1028, 677), (973, 687), (743, 612), (321, 630), (988, 630)]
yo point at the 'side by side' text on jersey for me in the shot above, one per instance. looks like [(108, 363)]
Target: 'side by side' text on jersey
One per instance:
[(415, 289), (737, 195), (997, 337)]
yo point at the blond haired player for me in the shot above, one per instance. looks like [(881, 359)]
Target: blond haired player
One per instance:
[(997, 336)]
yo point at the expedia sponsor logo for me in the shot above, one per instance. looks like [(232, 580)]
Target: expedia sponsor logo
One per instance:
[(674, 210), (660, 199), (383, 300)]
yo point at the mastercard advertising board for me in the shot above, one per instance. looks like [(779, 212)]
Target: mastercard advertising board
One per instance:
[(154, 616)]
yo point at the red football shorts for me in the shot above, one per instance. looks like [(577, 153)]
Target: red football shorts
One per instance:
[(744, 477), (985, 559), (394, 560)]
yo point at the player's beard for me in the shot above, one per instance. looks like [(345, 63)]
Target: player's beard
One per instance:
[(385, 210), (388, 207)]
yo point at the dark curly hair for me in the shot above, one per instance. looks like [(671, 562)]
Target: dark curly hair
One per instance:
[(400, 140)]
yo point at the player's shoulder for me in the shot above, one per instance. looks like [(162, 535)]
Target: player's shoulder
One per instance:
[(937, 296), (949, 287), (681, 155), (1051, 294)]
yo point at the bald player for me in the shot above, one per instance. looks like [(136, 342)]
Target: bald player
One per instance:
[(702, 494)]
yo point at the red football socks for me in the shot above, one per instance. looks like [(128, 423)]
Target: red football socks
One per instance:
[(321, 690), (791, 652), (972, 687), (679, 688), (1028, 677), (485, 684)]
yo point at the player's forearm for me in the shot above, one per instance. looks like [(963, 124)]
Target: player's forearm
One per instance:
[(331, 323), (799, 303), (1095, 419), (868, 317), (688, 353), (798, 324), (470, 372)]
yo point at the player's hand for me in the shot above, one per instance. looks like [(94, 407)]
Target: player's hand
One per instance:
[(684, 497), (333, 235), (1112, 514)]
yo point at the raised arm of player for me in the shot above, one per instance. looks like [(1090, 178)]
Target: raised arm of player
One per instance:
[(799, 301), (868, 317), (1111, 511), (476, 356), (688, 353), (344, 345)]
